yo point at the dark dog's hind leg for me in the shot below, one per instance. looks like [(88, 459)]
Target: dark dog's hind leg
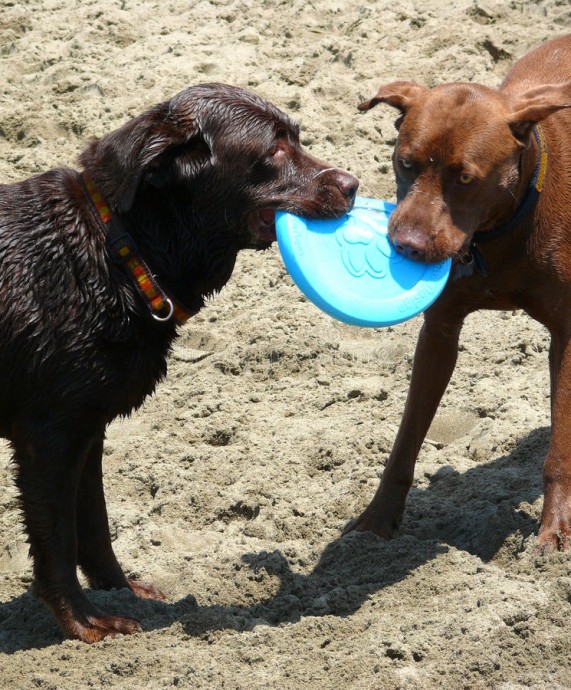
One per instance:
[(49, 466), (95, 552)]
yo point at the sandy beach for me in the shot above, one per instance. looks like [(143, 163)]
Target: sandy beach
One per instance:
[(230, 488)]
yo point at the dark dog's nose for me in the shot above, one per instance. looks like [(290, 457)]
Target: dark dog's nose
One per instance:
[(347, 184)]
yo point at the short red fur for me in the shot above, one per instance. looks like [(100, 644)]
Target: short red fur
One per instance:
[(464, 162)]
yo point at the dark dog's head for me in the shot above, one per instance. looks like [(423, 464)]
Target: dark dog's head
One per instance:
[(209, 168), (462, 161)]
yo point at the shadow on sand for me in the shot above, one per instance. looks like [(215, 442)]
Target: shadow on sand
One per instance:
[(475, 511)]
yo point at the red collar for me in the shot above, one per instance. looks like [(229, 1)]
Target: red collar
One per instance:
[(123, 251)]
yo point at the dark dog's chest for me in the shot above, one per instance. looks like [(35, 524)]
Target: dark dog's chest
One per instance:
[(130, 372), (97, 378)]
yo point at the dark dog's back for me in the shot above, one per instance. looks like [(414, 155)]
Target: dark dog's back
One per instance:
[(62, 309)]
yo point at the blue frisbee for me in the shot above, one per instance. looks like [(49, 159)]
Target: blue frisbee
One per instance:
[(349, 269)]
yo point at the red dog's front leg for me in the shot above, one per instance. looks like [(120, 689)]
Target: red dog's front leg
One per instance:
[(434, 362), (555, 531)]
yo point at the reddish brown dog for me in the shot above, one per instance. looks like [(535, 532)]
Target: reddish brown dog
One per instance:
[(484, 176)]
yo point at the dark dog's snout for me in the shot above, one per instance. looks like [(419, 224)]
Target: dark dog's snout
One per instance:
[(346, 183)]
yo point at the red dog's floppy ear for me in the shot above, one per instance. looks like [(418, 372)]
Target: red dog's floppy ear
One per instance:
[(535, 105), (118, 161), (399, 94)]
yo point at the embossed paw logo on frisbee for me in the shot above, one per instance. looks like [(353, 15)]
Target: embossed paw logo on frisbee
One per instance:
[(365, 250)]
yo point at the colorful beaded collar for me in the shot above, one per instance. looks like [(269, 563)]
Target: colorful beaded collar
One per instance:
[(123, 251)]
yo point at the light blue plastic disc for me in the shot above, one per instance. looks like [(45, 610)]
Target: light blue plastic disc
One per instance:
[(350, 270)]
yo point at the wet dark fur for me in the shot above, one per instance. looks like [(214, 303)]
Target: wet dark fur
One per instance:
[(78, 345)]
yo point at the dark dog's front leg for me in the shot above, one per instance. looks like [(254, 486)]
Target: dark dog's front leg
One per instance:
[(434, 362), (95, 552), (555, 531), (49, 466)]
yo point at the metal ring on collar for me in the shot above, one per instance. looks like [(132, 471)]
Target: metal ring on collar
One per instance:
[(169, 315)]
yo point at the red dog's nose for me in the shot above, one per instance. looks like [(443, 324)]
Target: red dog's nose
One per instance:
[(411, 245)]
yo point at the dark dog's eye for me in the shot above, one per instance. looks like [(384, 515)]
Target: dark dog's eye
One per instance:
[(278, 152)]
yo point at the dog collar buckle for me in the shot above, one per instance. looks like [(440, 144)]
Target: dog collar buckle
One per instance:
[(471, 260), (121, 247), (123, 252), (170, 306)]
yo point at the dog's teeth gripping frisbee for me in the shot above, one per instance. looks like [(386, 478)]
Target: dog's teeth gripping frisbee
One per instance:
[(350, 270)]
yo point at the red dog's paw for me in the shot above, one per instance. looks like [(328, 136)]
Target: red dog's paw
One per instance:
[(554, 537), (555, 531), (369, 521)]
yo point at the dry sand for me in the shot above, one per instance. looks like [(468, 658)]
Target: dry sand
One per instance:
[(230, 488)]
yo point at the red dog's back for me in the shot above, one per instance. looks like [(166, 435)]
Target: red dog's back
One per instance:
[(550, 63)]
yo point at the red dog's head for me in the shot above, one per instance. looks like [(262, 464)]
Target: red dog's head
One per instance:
[(463, 159)]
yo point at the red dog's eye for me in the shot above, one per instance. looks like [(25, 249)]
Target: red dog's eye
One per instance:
[(465, 178)]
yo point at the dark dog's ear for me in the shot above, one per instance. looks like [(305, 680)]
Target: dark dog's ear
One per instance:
[(144, 148), (399, 94), (535, 105), (177, 161)]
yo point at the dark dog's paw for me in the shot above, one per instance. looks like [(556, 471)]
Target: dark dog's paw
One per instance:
[(145, 590), (96, 628)]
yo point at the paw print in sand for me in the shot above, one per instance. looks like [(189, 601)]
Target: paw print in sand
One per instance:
[(365, 250)]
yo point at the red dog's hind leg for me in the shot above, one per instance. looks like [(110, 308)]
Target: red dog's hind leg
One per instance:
[(555, 531)]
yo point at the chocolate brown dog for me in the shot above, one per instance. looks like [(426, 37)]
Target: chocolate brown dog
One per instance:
[(484, 176), (96, 270)]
